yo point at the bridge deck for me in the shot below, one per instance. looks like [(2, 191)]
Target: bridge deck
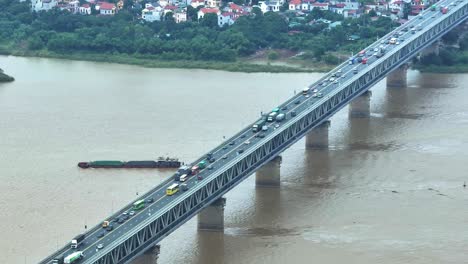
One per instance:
[(151, 224)]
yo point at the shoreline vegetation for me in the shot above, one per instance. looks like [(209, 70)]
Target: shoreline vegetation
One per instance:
[(246, 65), (196, 43), (272, 42), (257, 64), (4, 77)]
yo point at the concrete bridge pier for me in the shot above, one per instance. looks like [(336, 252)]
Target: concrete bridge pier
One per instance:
[(397, 78), (212, 217), (360, 106), (269, 174), (149, 257), (318, 137)]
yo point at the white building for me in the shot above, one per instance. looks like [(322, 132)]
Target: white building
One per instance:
[(321, 6), (202, 12), (294, 5), (267, 6), (39, 5), (151, 13), (225, 18), (180, 16), (107, 9), (85, 9), (197, 3), (212, 3)]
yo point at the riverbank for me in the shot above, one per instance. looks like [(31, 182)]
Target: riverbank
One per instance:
[(461, 68), (242, 65), (5, 78)]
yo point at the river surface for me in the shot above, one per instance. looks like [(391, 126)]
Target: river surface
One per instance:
[(388, 190)]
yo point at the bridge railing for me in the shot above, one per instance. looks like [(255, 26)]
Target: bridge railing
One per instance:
[(153, 229)]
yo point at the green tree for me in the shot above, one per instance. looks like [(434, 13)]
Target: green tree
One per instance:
[(406, 9), (169, 16), (451, 37), (273, 55), (35, 43), (209, 20), (330, 59), (191, 13), (464, 43)]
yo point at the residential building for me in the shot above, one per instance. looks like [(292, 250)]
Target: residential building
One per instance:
[(120, 4), (163, 3), (202, 12), (268, 5), (350, 13), (197, 3), (226, 18), (295, 5), (307, 5), (212, 3), (169, 9), (85, 9), (70, 6), (106, 9), (43, 5), (235, 8), (338, 8), (321, 6), (180, 16), (151, 13)]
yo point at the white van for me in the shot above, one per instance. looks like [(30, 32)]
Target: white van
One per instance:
[(183, 178)]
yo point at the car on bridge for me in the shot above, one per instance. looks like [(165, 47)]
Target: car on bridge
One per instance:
[(99, 246)]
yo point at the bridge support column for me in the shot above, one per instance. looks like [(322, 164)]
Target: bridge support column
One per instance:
[(269, 174), (212, 217), (360, 106), (397, 78), (318, 137), (150, 256)]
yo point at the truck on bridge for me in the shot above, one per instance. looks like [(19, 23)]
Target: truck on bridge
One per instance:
[(73, 257), (77, 240), (258, 126)]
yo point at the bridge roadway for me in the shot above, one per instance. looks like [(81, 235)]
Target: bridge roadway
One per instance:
[(298, 103)]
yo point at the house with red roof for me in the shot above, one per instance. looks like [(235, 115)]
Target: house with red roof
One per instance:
[(350, 13), (226, 18), (307, 5), (235, 8), (295, 5), (106, 9), (321, 6), (85, 9), (152, 13), (202, 12), (338, 8)]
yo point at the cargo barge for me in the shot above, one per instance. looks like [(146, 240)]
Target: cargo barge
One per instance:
[(116, 164)]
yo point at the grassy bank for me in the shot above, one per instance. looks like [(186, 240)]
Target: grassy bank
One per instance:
[(152, 62), (5, 78), (460, 68)]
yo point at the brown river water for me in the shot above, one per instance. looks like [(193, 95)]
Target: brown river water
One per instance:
[(388, 190)]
